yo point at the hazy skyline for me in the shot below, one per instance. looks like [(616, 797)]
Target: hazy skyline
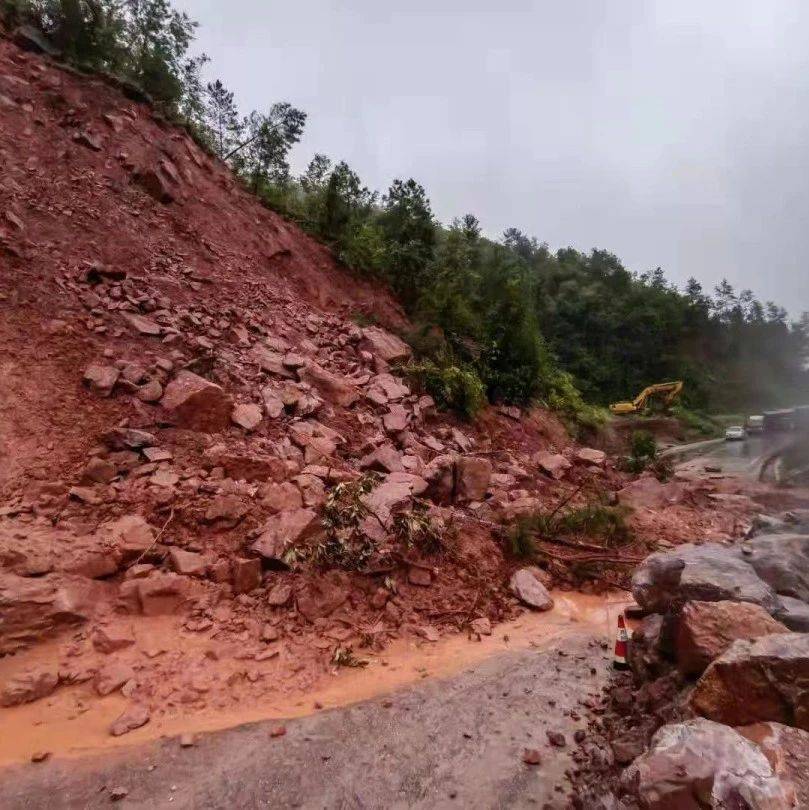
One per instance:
[(670, 133)]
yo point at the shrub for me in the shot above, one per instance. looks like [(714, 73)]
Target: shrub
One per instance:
[(414, 529), (606, 524), (346, 545), (451, 387), (643, 445)]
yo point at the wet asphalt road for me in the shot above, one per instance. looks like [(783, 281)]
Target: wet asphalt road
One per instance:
[(454, 743)]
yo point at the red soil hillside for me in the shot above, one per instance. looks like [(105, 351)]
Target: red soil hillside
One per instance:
[(181, 386)]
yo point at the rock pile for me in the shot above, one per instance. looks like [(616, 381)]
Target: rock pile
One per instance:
[(725, 615)]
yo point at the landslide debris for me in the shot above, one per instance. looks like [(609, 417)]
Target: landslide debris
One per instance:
[(186, 388)]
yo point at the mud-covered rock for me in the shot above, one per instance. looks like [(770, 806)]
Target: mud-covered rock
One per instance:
[(284, 530), (337, 390), (647, 492), (28, 687), (529, 590), (33, 609), (645, 654), (384, 345), (133, 717), (472, 478), (101, 379), (196, 403), (321, 597), (706, 629), (753, 681), (246, 574)]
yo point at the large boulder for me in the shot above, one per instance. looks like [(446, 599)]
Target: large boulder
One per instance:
[(787, 751), (196, 403), (707, 573), (384, 345), (794, 614), (699, 764), (762, 680), (706, 629), (782, 561)]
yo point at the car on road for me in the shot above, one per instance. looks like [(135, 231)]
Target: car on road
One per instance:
[(734, 433)]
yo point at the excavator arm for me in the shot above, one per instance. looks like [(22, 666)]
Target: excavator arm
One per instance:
[(668, 391)]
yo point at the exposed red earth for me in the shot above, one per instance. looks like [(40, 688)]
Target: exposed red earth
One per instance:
[(184, 381)]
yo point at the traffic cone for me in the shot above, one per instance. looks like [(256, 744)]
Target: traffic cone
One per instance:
[(621, 645)]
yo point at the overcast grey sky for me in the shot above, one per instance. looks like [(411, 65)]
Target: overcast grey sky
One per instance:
[(671, 132)]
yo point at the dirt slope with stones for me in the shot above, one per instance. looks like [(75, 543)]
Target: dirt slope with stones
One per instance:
[(194, 425)]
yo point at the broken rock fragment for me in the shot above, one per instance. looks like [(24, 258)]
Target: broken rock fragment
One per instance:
[(196, 403), (134, 717), (529, 590), (284, 530), (246, 574), (29, 687), (246, 415), (188, 563), (707, 629), (146, 326), (384, 345), (554, 464), (101, 379)]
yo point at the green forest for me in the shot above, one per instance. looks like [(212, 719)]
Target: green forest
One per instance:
[(509, 319)]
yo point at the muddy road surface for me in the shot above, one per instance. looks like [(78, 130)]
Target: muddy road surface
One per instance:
[(454, 736)]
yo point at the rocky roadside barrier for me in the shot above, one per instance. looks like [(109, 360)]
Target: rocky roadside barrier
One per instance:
[(715, 710)]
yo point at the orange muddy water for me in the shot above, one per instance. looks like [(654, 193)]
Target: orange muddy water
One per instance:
[(74, 721)]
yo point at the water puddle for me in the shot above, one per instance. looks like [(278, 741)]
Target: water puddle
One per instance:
[(74, 721)]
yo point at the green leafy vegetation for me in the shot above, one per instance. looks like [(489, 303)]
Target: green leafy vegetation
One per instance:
[(507, 318), (451, 387), (700, 422), (593, 522), (346, 545), (643, 456)]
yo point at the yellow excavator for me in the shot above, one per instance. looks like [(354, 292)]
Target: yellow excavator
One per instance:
[(667, 392)]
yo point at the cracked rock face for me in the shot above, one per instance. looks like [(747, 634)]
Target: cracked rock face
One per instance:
[(753, 681)]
